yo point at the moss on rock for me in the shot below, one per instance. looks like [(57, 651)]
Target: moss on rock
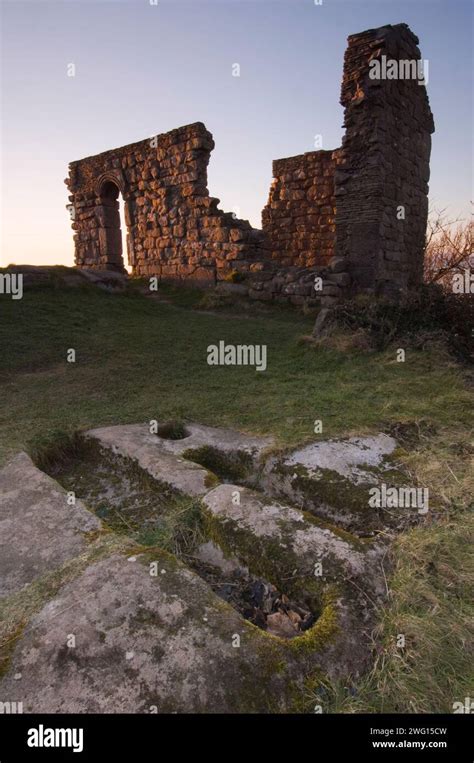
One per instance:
[(228, 465)]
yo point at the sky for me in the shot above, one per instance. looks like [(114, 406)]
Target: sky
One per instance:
[(142, 69)]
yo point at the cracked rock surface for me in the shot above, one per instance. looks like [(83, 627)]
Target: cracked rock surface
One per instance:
[(90, 621)]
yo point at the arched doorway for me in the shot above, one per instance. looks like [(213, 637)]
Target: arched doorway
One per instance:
[(113, 227)]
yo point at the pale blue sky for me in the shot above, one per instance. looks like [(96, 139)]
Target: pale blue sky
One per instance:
[(143, 69)]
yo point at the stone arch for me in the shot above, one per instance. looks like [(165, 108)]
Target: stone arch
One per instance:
[(108, 188), (111, 176)]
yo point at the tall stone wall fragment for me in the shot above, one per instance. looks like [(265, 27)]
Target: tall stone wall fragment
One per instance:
[(382, 169)]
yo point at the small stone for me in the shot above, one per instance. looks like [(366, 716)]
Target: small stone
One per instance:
[(280, 624), (322, 323), (295, 618), (338, 265)]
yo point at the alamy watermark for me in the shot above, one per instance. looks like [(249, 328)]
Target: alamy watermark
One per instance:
[(463, 283), (12, 283), (464, 707), (237, 355), (391, 68), (48, 737), (384, 497), (11, 708)]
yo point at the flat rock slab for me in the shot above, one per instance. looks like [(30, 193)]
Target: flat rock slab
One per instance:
[(135, 442), (105, 279), (226, 440), (35, 275), (162, 458), (349, 458), (334, 479), (143, 644), (302, 540), (39, 531)]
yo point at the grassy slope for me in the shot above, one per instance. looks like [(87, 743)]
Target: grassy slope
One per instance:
[(139, 359)]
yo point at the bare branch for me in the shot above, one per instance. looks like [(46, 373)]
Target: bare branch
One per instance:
[(448, 247)]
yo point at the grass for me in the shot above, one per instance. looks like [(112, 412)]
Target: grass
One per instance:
[(140, 359), (181, 531), (431, 607)]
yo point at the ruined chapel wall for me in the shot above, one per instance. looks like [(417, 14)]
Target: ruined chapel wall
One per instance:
[(383, 165), (337, 211), (299, 218), (174, 229)]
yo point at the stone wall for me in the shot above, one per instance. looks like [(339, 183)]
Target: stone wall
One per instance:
[(355, 216), (174, 228), (383, 167), (299, 218)]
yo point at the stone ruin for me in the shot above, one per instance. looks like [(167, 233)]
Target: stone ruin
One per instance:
[(274, 594), (355, 216)]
